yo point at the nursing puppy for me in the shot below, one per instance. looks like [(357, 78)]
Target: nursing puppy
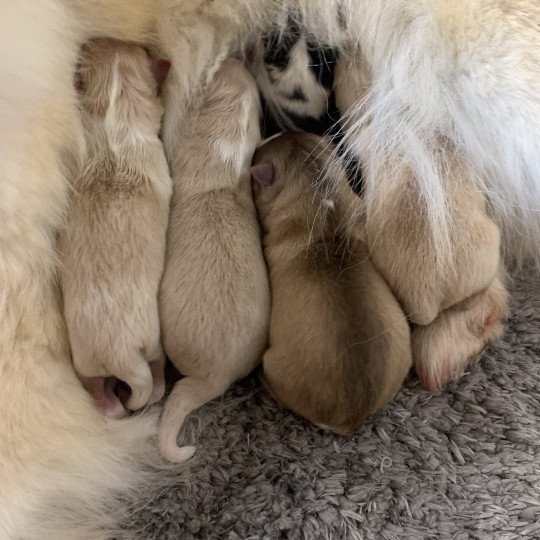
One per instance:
[(461, 301), (113, 244), (214, 297), (339, 341), (457, 301)]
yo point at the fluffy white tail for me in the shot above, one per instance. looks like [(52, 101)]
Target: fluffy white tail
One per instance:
[(84, 487)]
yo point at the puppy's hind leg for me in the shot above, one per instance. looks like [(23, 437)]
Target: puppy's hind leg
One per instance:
[(127, 366), (188, 394), (458, 336), (157, 367), (138, 375)]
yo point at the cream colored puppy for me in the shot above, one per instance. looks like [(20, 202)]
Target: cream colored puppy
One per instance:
[(113, 245), (339, 342), (214, 296)]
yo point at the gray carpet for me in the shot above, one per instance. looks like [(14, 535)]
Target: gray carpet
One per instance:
[(462, 464)]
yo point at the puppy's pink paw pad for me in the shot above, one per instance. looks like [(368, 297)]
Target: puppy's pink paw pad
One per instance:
[(106, 400)]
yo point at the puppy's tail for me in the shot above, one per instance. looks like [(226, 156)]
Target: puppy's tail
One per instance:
[(188, 394)]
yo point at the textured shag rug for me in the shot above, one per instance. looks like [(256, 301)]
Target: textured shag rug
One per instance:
[(462, 464)]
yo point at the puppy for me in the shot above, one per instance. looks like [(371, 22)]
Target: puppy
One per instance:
[(339, 341), (458, 302), (113, 244), (215, 296)]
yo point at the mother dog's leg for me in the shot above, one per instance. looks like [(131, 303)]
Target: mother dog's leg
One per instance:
[(62, 467)]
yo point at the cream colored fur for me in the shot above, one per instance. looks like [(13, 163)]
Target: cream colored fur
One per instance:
[(466, 69), (113, 245), (63, 468), (214, 296), (402, 249)]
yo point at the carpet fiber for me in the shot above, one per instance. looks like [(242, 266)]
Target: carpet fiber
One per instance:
[(462, 464)]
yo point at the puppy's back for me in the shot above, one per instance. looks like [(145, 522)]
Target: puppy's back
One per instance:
[(214, 292), (113, 244), (339, 340)]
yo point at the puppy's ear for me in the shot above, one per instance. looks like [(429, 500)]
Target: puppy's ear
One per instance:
[(263, 173), (160, 68), (78, 81)]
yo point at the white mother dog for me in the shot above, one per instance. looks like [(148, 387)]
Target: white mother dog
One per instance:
[(459, 74)]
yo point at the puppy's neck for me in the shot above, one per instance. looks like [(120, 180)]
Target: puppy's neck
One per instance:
[(294, 231)]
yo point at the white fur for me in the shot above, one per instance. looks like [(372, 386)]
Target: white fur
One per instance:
[(462, 75)]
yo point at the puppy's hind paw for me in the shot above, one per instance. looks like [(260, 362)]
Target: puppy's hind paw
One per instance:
[(456, 339), (104, 393)]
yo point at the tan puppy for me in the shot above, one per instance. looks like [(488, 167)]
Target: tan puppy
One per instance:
[(113, 245), (458, 301), (214, 296), (339, 341)]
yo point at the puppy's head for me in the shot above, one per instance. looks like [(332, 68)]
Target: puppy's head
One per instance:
[(288, 173), (114, 74)]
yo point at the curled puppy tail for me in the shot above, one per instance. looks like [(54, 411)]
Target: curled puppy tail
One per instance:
[(189, 394)]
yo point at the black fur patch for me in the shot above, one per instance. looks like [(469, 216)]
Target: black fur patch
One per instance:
[(278, 47), (323, 62), (298, 95)]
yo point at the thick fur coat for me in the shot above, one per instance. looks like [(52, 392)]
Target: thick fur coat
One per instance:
[(459, 74)]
